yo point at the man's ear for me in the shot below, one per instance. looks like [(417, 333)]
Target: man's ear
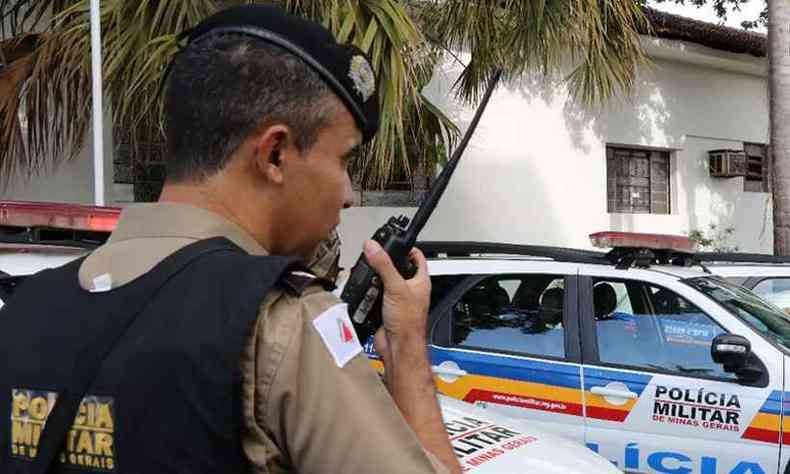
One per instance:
[(271, 145)]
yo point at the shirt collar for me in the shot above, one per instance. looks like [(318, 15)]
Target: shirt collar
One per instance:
[(165, 219)]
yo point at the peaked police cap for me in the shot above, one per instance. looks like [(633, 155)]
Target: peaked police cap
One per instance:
[(345, 68)]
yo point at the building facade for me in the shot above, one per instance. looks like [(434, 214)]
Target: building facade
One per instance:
[(543, 170)]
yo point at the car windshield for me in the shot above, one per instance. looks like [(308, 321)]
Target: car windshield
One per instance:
[(767, 319)]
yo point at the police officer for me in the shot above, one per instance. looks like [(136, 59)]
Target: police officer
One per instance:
[(184, 345)]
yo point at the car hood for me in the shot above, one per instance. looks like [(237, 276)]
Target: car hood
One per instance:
[(486, 442)]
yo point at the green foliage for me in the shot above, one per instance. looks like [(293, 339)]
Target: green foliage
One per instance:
[(598, 40), (139, 38), (412, 130), (714, 238), (722, 7), (49, 85)]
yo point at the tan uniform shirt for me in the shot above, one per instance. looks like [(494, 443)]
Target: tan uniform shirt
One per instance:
[(302, 412)]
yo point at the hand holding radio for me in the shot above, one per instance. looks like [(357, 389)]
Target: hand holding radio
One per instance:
[(363, 289), (405, 301)]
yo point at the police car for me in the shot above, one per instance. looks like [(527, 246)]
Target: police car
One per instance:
[(36, 236), (640, 353), (766, 275)]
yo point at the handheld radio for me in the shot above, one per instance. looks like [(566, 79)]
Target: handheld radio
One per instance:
[(363, 289)]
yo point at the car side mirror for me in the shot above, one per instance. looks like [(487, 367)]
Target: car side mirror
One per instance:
[(730, 350), (734, 352)]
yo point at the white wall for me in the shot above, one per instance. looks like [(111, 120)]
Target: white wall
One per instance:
[(535, 172), (69, 181)]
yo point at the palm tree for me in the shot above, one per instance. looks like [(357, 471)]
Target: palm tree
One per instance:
[(597, 39), (45, 65), (779, 58)]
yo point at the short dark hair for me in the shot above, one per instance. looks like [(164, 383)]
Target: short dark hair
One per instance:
[(223, 88)]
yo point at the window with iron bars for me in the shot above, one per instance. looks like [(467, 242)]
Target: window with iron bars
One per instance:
[(637, 181)]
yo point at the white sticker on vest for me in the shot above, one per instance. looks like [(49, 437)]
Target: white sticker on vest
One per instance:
[(334, 327)]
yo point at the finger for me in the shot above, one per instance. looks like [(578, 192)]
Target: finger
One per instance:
[(381, 263), (380, 342), (418, 259)]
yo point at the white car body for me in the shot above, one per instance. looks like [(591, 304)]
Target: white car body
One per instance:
[(20, 260), (27, 260), (487, 442), (642, 418)]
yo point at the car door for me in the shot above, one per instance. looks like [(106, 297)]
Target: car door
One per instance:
[(654, 399), (509, 342)]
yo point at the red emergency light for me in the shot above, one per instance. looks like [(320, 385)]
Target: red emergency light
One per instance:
[(58, 216), (614, 240)]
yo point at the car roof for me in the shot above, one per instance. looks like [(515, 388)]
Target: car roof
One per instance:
[(743, 258), (454, 258), (680, 272), (745, 265), (485, 265), (448, 258), (28, 259), (750, 270)]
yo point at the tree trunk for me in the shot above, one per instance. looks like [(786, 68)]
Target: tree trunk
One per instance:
[(779, 83)]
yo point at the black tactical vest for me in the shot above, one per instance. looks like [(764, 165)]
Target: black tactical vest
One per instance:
[(151, 370)]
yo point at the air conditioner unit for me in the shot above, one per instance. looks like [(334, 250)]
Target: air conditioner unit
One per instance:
[(727, 163)]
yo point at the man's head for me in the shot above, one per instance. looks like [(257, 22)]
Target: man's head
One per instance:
[(224, 89), (262, 112)]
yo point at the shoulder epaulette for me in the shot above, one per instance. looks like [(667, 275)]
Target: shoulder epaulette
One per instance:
[(297, 281)]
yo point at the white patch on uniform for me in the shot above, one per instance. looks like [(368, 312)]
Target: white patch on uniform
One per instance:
[(335, 328), (102, 283)]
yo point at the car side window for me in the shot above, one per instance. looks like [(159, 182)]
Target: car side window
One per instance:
[(522, 314), (776, 291), (661, 331)]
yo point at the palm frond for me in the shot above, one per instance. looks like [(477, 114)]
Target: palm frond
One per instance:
[(18, 66), (139, 44), (19, 16), (45, 96), (597, 39), (54, 98), (44, 105), (139, 39), (412, 133)]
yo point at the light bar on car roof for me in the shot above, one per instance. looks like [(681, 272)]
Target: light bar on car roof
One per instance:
[(58, 216), (677, 243)]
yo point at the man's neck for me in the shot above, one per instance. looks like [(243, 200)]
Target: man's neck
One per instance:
[(212, 199)]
